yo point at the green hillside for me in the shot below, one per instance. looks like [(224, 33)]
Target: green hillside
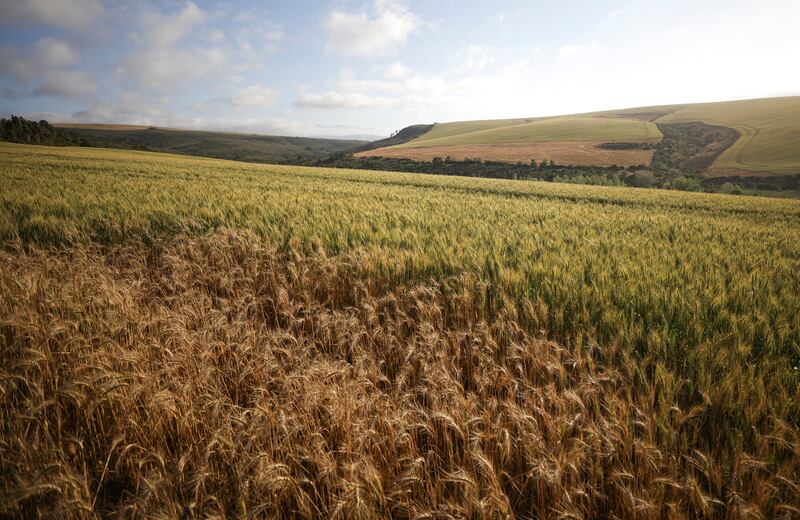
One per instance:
[(769, 128), (768, 140), (548, 129), (219, 145)]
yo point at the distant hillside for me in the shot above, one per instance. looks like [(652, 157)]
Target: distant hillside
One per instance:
[(736, 138), (403, 136), (221, 145)]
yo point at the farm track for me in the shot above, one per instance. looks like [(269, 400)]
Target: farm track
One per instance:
[(740, 156), (748, 134)]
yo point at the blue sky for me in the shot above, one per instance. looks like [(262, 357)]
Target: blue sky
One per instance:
[(344, 68)]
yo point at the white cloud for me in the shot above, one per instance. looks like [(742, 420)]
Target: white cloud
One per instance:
[(172, 68), (477, 57), (174, 49), (258, 40), (411, 92), (380, 32), (216, 36), (55, 53), (336, 99), (500, 17), (163, 61), (76, 15), (255, 96), (281, 126), (129, 108), (163, 30), (43, 70), (396, 70), (578, 50), (67, 83)]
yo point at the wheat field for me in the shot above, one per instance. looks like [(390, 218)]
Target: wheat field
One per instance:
[(186, 337)]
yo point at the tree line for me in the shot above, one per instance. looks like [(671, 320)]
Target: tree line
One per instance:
[(17, 129)]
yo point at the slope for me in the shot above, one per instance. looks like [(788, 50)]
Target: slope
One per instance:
[(769, 128), (768, 136), (220, 145), (565, 140)]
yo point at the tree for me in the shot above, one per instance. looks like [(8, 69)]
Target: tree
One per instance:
[(643, 179), (730, 189), (684, 184), (20, 130)]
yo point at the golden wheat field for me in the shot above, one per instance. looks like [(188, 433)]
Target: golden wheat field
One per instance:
[(193, 338)]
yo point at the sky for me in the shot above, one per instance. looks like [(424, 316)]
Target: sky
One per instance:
[(342, 68)]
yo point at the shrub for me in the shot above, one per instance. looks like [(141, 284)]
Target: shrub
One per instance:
[(683, 183)]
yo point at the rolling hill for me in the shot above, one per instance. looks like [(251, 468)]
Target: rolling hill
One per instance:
[(219, 145), (748, 137)]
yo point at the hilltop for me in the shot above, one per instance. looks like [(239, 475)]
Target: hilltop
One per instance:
[(733, 138)]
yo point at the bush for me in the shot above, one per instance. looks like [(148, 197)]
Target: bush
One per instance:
[(730, 188), (643, 179), (684, 184)]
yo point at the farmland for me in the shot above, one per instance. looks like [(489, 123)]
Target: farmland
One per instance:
[(563, 140), (768, 129), (548, 129), (190, 336), (583, 153)]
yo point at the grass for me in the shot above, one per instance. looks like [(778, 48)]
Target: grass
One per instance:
[(769, 128), (185, 336), (440, 130), (547, 129)]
